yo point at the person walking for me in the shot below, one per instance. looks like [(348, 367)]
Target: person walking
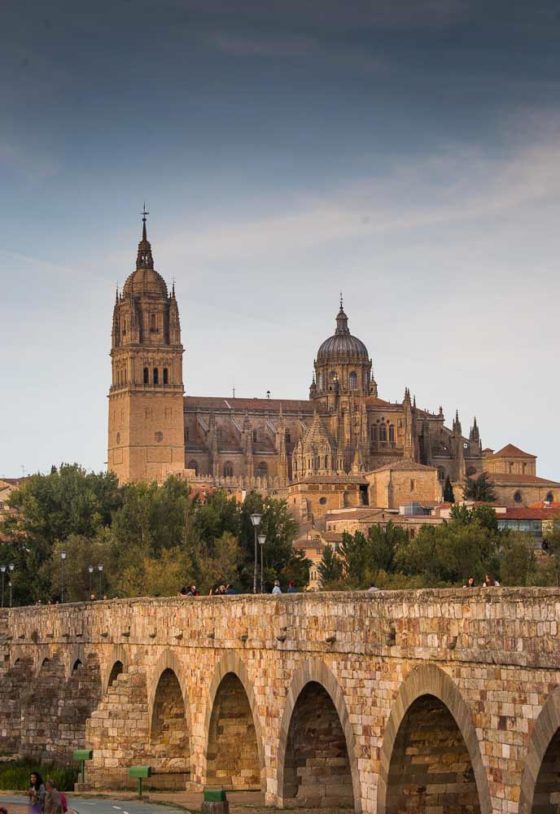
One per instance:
[(53, 800), (36, 793), (277, 589)]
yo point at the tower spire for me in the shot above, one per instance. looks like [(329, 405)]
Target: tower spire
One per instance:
[(144, 259)]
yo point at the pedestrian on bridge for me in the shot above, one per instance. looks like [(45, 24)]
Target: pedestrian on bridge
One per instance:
[(53, 799), (36, 793)]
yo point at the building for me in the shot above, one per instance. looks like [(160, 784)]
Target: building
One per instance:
[(343, 446)]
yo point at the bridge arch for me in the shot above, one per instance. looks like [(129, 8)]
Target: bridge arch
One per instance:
[(169, 717), (231, 704), (428, 693), (113, 665), (542, 763), (315, 679)]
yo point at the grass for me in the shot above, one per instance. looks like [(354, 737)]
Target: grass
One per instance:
[(14, 774)]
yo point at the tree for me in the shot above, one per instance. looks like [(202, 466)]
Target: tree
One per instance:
[(480, 489), (448, 495), (330, 569), (517, 560)]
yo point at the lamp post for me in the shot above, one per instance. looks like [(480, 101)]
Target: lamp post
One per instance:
[(90, 571), (100, 569), (62, 558), (3, 570), (11, 567), (262, 541), (256, 521)]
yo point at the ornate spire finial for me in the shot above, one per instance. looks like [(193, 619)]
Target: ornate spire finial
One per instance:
[(144, 214), (117, 293), (341, 302), (144, 259)]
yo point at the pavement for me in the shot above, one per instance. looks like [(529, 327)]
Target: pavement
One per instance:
[(123, 802)]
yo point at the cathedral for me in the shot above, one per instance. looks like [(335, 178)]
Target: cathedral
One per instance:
[(343, 446)]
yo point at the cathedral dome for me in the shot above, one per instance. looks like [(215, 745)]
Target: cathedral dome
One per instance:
[(342, 346), (145, 279)]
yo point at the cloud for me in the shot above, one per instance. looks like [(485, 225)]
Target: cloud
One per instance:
[(453, 188), (263, 46)]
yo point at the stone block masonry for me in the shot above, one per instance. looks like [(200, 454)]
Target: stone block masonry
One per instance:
[(442, 701)]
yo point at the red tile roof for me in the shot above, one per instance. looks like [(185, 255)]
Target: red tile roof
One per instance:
[(514, 479), (511, 451)]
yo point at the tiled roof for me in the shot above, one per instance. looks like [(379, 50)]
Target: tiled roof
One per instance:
[(331, 479), (240, 405), (514, 479), (404, 464), (525, 513), (511, 451)]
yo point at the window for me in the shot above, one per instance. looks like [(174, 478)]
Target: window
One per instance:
[(353, 381), (192, 464), (262, 470), (412, 484), (523, 468), (441, 473), (118, 438), (392, 433), (165, 376), (382, 433), (288, 436), (156, 375), (255, 436), (518, 496), (322, 500), (373, 433), (153, 323), (146, 376), (228, 469), (550, 498), (471, 470)]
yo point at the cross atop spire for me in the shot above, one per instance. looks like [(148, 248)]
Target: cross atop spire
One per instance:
[(144, 214), (341, 302), (144, 259)]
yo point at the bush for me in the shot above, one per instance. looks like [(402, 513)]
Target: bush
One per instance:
[(14, 775)]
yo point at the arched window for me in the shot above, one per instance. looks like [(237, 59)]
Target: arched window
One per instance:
[(373, 433), (392, 433), (320, 381), (192, 464), (228, 469), (146, 376), (382, 432), (518, 496), (153, 323), (288, 436), (165, 376), (441, 473), (352, 381), (255, 437), (550, 497), (156, 375), (262, 469)]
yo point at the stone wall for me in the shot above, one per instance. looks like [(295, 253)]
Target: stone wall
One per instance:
[(409, 701)]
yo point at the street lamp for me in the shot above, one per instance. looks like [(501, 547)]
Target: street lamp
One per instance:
[(11, 567), (62, 558), (256, 521), (262, 541), (90, 571), (100, 569), (3, 570)]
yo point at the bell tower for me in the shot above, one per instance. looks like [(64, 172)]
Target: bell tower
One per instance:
[(146, 424)]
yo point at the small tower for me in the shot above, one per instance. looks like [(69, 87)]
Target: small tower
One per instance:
[(146, 424)]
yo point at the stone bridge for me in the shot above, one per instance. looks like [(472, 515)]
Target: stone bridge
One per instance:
[(432, 701)]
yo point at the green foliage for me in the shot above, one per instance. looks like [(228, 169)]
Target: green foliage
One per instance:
[(448, 495), (150, 539), (480, 489), (331, 570), (517, 560), (14, 775)]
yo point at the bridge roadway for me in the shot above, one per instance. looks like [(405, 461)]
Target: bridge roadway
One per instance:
[(405, 701)]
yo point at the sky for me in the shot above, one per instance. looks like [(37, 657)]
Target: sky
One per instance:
[(406, 154)]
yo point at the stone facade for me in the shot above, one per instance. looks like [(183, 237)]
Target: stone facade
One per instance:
[(397, 701), (343, 429)]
